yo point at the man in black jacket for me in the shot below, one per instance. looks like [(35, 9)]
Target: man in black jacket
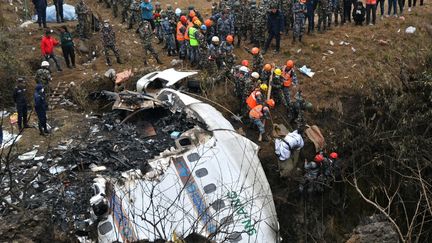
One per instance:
[(40, 6), (20, 100), (275, 27)]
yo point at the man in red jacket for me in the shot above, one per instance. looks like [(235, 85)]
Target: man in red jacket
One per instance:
[(47, 47)]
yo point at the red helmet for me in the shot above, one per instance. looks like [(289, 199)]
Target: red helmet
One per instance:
[(333, 155), (183, 19), (229, 38), (255, 50), (290, 64), (208, 23), (319, 158), (245, 63)]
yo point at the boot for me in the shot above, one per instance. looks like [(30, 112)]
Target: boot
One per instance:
[(158, 60)]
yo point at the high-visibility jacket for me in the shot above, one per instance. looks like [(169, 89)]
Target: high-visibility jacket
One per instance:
[(251, 101), (190, 24), (287, 77), (179, 35), (192, 35), (256, 112)]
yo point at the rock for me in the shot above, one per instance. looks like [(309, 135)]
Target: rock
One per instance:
[(374, 229), (82, 47)]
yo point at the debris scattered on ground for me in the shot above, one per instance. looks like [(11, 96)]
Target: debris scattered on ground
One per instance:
[(306, 71), (353, 49), (29, 155), (410, 30), (383, 42), (9, 139)]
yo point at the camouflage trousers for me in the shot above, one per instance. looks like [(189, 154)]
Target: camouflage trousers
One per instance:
[(83, 27), (125, 13), (289, 21), (114, 7), (148, 47), (259, 37), (133, 18), (338, 11), (322, 19), (299, 26), (106, 52)]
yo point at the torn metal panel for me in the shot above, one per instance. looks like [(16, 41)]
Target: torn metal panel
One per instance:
[(169, 77), (131, 101)]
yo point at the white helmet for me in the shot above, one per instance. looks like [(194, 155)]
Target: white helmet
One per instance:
[(255, 75), (178, 11), (45, 64), (244, 69), (215, 39)]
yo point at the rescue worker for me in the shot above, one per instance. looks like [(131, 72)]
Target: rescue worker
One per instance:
[(286, 6), (225, 25), (259, 27), (240, 77), (214, 56), (322, 15), (338, 11), (289, 77), (168, 35), (257, 97), (147, 12), (266, 73), (257, 59), (275, 27), (41, 106), (43, 75), (310, 6), (300, 11), (146, 33), (312, 169), (203, 47), (300, 105), (83, 28), (134, 16), (347, 10), (239, 22), (211, 30), (114, 8), (47, 47), (255, 78), (157, 17), (40, 7), (181, 37), (125, 10), (193, 42), (197, 13), (285, 147), (276, 84), (109, 42), (259, 114), (336, 164), (227, 51), (20, 99)]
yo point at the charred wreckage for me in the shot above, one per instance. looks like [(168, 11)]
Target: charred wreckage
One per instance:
[(161, 166)]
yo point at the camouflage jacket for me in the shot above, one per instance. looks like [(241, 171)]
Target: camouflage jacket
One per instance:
[(145, 32), (81, 9), (43, 76), (299, 10), (108, 36)]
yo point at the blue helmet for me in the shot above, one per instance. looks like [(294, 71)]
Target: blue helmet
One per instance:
[(203, 27)]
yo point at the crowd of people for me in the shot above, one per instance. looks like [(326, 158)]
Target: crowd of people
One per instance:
[(208, 44)]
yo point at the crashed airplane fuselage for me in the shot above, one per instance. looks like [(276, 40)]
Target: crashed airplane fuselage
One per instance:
[(211, 184)]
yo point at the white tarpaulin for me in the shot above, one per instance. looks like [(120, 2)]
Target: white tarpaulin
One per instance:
[(68, 13)]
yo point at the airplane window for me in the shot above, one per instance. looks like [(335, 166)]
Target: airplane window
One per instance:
[(201, 172), (210, 188), (105, 228), (234, 237), (193, 157), (218, 204)]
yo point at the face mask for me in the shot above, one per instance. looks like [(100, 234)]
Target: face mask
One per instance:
[(42, 90), (106, 25)]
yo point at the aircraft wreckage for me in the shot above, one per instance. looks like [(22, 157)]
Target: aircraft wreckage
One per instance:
[(210, 183)]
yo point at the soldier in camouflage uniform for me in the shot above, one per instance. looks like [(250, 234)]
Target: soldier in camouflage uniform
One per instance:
[(146, 34), (109, 42), (259, 27), (276, 92), (168, 35), (125, 9), (329, 12), (114, 7), (43, 75), (287, 10), (322, 14), (83, 27), (239, 22), (134, 13), (203, 47), (257, 59), (225, 25), (227, 52), (215, 57), (338, 11), (250, 11), (215, 8), (299, 10)]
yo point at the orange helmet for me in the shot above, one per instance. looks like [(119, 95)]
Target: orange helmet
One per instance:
[(334, 155), (290, 64), (267, 67), (192, 14), (229, 38), (319, 158), (195, 18), (208, 23), (255, 50), (183, 19), (245, 63), (270, 103)]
